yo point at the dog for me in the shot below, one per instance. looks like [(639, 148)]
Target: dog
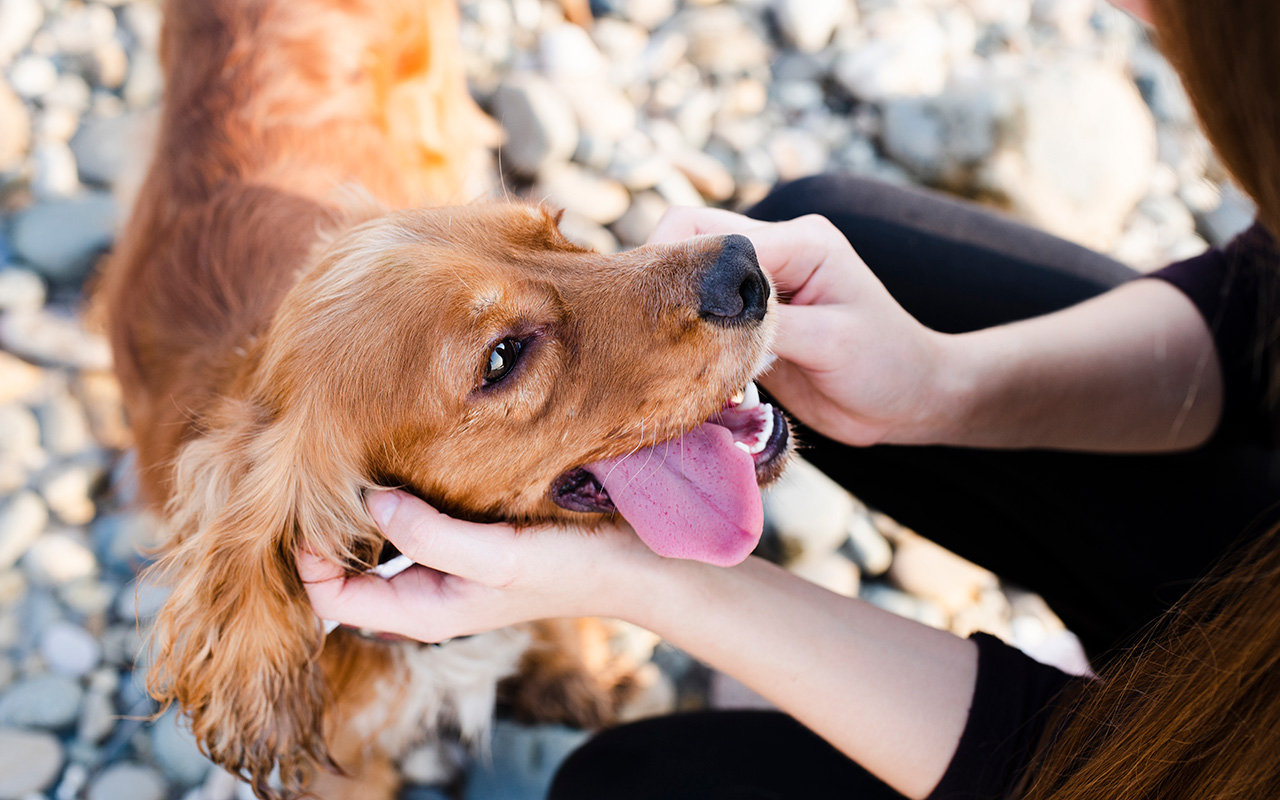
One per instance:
[(300, 310)]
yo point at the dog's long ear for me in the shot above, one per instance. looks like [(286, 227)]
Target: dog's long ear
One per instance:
[(236, 645)]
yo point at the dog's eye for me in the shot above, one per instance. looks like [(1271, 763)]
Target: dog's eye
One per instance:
[(502, 359)]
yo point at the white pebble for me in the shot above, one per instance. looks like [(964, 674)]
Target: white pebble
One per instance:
[(70, 649)]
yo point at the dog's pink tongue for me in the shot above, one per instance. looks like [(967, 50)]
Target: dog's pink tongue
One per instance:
[(694, 497)]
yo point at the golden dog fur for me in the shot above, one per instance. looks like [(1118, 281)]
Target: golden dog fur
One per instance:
[(285, 344)]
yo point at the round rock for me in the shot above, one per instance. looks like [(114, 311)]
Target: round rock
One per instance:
[(21, 522), (15, 129), (54, 338), (127, 782), (44, 701), (20, 289), (19, 19), (176, 753), (60, 238), (70, 649), (57, 558), (29, 762), (540, 124), (575, 189), (809, 24)]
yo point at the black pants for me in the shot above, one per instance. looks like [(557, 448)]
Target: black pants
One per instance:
[(1108, 540)]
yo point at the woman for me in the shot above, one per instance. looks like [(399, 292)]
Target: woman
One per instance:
[(1124, 448)]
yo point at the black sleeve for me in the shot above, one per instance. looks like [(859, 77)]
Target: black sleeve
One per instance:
[(1235, 290), (1012, 700)]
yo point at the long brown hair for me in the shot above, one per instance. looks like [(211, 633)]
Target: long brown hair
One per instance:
[(1194, 712)]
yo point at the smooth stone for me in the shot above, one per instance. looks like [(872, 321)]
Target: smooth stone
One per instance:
[(22, 520), (174, 749), (1077, 153), (637, 164), (809, 24), (75, 777), (20, 290), (797, 153), (68, 490), (54, 172), (541, 126), (29, 762), (808, 512), (119, 540), (57, 558), (907, 58), (646, 13), (524, 761), (1069, 17), (143, 21), (146, 80), (586, 233), (61, 238), (929, 571), (19, 20), (431, 763), (57, 123), (573, 188), (568, 55), (55, 339), (7, 670), (15, 129), (70, 650), (601, 111), (866, 546), (127, 781), (32, 76), (20, 453), (103, 402), (899, 602), (109, 65), (104, 147), (78, 30), (1234, 214), (709, 176), (833, 572), (70, 91), (721, 40), (1161, 87), (141, 600), (64, 428), (45, 701), (88, 597), (634, 227), (1007, 13)]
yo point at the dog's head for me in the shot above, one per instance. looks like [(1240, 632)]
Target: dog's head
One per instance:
[(477, 358)]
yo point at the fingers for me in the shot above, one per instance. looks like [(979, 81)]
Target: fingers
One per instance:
[(809, 260), (678, 224), (482, 553)]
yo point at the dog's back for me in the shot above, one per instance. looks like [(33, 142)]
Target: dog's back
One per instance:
[(271, 106)]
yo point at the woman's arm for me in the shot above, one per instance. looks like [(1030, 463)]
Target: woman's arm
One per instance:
[(890, 693)]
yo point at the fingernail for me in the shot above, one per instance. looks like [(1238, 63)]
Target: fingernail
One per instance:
[(382, 505)]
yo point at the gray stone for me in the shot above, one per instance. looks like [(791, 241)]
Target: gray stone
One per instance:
[(61, 238), (105, 147), (175, 751), (44, 701), (119, 538), (78, 30), (709, 176), (1161, 87), (942, 139), (127, 781), (524, 761), (634, 227), (1233, 214), (68, 490), (55, 339), (808, 512), (64, 428), (88, 597), (907, 59), (19, 19), (721, 41), (146, 79), (29, 762), (585, 233), (15, 129), (20, 453), (20, 290), (575, 189), (143, 21), (602, 111), (540, 125), (53, 170), (70, 650), (866, 546), (899, 602), (22, 520), (141, 600), (32, 76), (1078, 152), (57, 558), (70, 91), (75, 777), (809, 24), (7, 671)]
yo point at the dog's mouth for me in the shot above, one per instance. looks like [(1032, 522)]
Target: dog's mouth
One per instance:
[(695, 496)]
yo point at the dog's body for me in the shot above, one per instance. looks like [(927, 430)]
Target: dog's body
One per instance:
[(285, 344)]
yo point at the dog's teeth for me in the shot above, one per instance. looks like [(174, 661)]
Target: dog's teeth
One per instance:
[(763, 438), (744, 447), (737, 397), (750, 397)]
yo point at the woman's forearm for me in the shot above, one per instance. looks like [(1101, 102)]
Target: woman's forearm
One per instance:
[(892, 694), (1133, 370)]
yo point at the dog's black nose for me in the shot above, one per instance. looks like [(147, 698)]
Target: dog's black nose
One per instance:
[(734, 290)]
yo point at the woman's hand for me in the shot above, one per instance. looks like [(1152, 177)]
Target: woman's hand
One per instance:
[(853, 364), (482, 577)]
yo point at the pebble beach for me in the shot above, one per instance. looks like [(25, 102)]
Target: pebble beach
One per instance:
[(1061, 113)]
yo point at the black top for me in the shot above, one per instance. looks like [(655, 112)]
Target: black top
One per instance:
[(1235, 289)]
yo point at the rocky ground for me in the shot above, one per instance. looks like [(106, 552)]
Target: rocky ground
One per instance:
[(1059, 111)]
